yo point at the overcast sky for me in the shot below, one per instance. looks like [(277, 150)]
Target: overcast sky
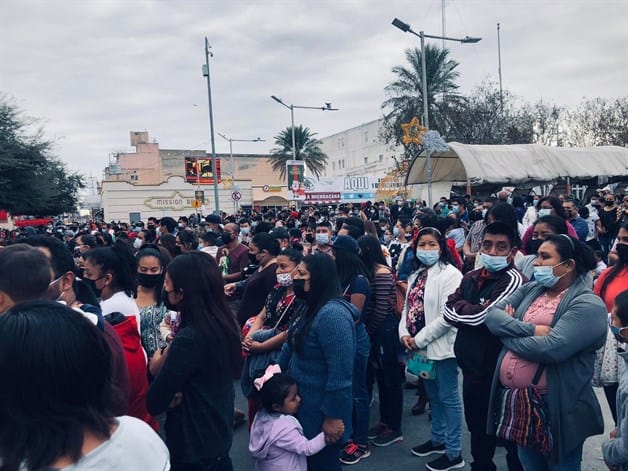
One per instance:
[(95, 70)]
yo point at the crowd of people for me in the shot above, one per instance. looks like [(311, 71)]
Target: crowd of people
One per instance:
[(122, 343)]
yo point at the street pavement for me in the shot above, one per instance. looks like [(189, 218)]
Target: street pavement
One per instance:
[(416, 430)]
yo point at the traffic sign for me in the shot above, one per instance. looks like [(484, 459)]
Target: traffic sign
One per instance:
[(236, 196)]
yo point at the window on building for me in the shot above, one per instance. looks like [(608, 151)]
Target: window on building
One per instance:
[(381, 157), (366, 160), (366, 137)]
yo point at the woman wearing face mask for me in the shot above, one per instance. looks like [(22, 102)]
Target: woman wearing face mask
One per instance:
[(149, 276), (550, 330), (548, 206), (109, 270), (269, 331), (422, 327), (399, 242), (186, 240), (319, 355), (263, 250), (608, 224), (200, 363), (611, 282), (544, 226)]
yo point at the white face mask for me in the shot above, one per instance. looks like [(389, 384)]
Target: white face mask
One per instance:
[(137, 243)]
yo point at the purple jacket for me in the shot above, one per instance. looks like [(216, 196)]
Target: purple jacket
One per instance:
[(277, 442)]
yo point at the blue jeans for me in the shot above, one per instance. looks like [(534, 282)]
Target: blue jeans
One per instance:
[(358, 431), (446, 407), (534, 461)]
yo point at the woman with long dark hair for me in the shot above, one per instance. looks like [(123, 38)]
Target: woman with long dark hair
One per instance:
[(200, 364), (381, 325), (150, 278), (109, 271), (319, 355), (269, 331), (423, 327), (56, 397), (355, 286)]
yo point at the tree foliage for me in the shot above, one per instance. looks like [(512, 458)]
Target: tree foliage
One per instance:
[(405, 97), (486, 118), (32, 180), (307, 149), (597, 122)]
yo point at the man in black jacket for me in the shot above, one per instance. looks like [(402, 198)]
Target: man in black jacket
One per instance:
[(475, 347)]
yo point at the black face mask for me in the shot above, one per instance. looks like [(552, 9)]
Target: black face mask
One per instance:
[(533, 246), (609, 203), (148, 280), (166, 302), (92, 286), (622, 252), (298, 286), (226, 238), (309, 238)]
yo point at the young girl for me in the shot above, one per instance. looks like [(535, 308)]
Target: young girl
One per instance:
[(614, 450), (277, 440)]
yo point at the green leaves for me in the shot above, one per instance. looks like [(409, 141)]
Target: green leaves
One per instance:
[(32, 180), (307, 149)]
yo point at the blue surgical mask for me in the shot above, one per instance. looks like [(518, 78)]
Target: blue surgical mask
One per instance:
[(484, 212), (244, 231), (616, 333), (322, 238), (535, 203), (494, 263), (544, 274), (455, 209), (544, 212), (427, 257), (395, 231)]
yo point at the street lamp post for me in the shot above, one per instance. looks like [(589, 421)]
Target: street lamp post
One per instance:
[(231, 141), (405, 27), (211, 125), (327, 107)]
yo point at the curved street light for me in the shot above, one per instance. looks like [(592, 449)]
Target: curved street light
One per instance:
[(406, 28)]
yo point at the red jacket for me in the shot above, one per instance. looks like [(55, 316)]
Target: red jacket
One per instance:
[(136, 363)]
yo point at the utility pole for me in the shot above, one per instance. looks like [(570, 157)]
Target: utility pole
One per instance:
[(499, 69), (211, 126)]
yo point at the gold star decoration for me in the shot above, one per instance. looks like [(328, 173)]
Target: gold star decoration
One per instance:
[(413, 132)]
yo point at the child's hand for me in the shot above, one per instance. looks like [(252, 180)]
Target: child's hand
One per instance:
[(613, 434), (509, 310), (333, 429)]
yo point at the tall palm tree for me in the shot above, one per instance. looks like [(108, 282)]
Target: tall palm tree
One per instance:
[(307, 149), (405, 97)]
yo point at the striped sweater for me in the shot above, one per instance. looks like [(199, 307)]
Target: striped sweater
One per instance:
[(476, 349)]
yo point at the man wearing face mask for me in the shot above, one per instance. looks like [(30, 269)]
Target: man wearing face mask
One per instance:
[(322, 238), (580, 225), (238, 253), (475, 347)]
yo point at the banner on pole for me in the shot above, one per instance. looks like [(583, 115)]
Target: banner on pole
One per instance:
[(295, 171)]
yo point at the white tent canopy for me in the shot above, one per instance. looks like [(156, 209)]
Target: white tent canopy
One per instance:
[(518, 164)]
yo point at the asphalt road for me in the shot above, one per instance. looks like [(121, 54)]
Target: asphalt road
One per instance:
[(417, 430)]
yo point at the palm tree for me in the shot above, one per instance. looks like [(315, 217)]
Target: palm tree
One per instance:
[(405, 98), (307, 149)]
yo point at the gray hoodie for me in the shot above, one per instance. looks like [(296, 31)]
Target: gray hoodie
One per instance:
[(277, 442)]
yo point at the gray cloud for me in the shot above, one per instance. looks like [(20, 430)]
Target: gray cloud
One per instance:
[(93, 71)]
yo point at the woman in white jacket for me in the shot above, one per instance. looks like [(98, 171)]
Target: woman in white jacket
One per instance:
[(422, 327)]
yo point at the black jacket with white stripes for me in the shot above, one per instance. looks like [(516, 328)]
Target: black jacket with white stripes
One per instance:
[(476, 348)]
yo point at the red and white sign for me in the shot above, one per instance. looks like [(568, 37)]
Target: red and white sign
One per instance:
[(236, 196)]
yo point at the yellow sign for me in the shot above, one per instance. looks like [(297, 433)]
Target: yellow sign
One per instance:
[(196, 204)]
